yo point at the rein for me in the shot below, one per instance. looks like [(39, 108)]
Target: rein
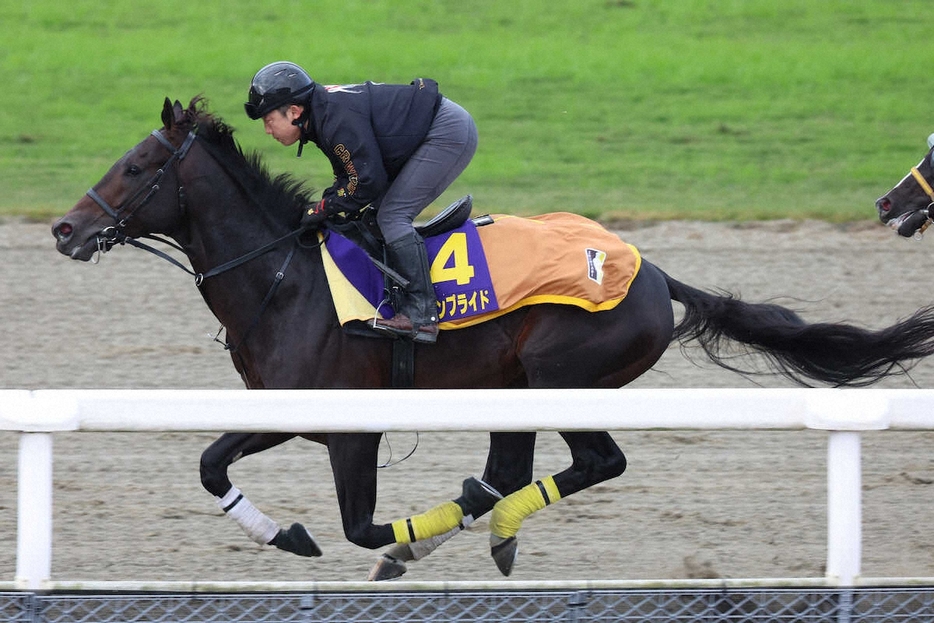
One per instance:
[(217, 270), (112, 235)]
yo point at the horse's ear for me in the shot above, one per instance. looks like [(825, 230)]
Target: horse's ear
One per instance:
[(178, 111), (168, 117)]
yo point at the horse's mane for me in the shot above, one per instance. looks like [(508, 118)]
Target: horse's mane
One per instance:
[(281, 196)]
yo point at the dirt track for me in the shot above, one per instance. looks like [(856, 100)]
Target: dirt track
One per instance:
[(692, 504)]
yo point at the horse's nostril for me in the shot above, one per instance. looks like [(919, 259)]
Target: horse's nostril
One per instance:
[(63, 230), (884, 205)]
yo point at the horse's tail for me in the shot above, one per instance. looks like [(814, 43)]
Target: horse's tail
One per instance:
[(838, 354)]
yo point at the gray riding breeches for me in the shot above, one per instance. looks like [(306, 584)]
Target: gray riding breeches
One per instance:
[(444, 154)]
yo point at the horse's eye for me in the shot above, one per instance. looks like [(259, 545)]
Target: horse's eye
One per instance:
[(133, 170)]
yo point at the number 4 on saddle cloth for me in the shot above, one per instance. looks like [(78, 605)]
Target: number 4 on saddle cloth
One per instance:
[(490, 266)]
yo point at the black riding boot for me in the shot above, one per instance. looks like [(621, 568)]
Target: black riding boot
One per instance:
[(417, 316)]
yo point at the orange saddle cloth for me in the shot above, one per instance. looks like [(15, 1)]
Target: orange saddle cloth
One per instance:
[(481, 272)]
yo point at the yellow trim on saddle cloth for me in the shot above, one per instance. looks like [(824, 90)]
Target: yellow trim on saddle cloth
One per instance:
[(349, 303), (572, 234), (534, 300)]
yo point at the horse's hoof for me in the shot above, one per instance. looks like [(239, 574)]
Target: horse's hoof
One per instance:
[(504, 552), (386, 568), (479, 496), (297, 540)]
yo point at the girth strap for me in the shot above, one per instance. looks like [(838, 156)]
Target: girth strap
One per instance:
[(403, 364)]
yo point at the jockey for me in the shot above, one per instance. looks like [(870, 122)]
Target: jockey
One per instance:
[(395, 147)]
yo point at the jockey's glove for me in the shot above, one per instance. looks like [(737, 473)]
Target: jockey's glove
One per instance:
[(314, 215)]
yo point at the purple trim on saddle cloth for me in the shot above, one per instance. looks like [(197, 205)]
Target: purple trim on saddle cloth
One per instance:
[(461, 275), (358, 269), (463, 284)]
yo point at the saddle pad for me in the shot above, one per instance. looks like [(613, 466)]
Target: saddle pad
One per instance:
[(484, 272)]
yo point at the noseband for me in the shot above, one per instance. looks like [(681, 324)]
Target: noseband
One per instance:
[(125, 212)]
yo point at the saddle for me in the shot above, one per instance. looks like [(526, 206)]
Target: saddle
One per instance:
[(362, 229)]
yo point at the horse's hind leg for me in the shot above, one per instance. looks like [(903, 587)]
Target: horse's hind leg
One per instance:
[(595, 458), (508, 468), (419, 535), (215, 460), (566, 347)]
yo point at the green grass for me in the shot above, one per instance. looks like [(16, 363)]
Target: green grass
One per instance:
[(635, 109)]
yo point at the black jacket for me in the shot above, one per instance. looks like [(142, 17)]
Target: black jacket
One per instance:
[(368, 132)]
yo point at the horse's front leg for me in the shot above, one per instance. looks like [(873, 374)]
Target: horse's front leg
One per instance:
[(353, 462), (215, 460), (353, 465), (508, 468)]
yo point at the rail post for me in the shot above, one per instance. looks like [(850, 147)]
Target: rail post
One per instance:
[(845, 414), (844, 506), (34, 510)]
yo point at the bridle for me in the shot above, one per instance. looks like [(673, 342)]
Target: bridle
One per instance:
[(114, 234), (926, 187), (127, 210)]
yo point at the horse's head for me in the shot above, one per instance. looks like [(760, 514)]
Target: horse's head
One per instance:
[(140, 194), (909, 207)]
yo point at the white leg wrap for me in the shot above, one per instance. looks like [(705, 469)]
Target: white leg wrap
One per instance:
[(422, 548), (257, 526)]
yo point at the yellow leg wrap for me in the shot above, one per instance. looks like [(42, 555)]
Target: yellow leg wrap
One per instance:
[(509, 512), (440, 519)]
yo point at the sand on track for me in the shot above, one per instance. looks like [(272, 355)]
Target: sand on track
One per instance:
[(691, 504)]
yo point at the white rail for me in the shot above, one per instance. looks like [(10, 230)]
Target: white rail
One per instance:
[(844, 413)]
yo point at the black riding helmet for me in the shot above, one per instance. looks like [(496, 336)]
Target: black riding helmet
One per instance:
[(275, 85)]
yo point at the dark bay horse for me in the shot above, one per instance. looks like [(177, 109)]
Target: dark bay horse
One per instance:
[(266, 283), (909, 207)]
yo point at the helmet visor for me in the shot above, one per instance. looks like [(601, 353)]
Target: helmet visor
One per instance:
[(257, 106)]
